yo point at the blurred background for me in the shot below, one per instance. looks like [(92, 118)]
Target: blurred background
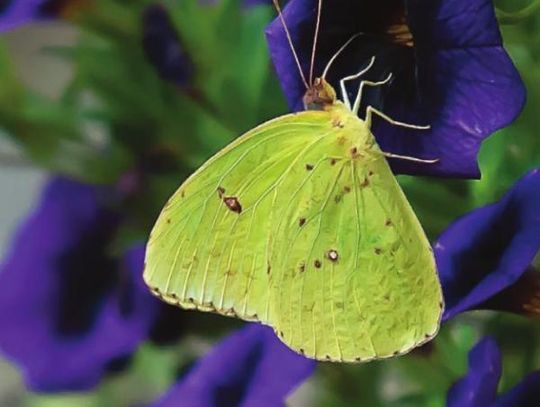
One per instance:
[(130, 97)]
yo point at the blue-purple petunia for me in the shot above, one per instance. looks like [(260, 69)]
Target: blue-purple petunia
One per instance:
[(251, 367), (449, 68), (162, 46), (478, 388), (69, 308), (14, 13), (485, 258)]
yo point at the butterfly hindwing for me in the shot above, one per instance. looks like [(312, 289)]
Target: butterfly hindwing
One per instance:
[(358, 278)]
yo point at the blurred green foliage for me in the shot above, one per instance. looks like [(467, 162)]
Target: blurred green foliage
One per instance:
[(116, 116)]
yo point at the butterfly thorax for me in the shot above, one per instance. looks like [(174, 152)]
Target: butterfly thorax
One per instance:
[(322, 96)]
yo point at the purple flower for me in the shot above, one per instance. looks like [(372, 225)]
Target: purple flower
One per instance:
[(485, 258), (163, 48), (14, 13), (478, 388), (249, 368), (69, 309), (449, 70)]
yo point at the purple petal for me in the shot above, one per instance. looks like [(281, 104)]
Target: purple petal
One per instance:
[(525, 394), (469, 93), (67, 309), (299, 16), (249, 368), (447, 23), (458, 78), (163, 48), (489, 249), (479, 386), (16, 12)]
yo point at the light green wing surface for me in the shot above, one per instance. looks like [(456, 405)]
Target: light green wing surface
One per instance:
[(207, 255), (289, 227), (358, 280)]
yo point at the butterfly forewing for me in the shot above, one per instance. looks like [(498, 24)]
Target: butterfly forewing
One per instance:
[(210, 246)]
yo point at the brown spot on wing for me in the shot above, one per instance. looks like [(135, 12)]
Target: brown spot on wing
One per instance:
[(302, 268), (221, 192), (365, 182), (354, 152), (333, 161), (317, 264), (378, 250), (233, 204), (388, 222), (309, 167), (301, 222)]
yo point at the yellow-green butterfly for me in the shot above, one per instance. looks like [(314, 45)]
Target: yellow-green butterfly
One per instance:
[(301, 225)]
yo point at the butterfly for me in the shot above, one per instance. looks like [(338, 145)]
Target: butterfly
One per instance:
[(301, 225)]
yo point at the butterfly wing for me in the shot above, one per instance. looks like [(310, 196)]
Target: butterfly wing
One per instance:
[(358, 279), (287, 227), (210, 247)]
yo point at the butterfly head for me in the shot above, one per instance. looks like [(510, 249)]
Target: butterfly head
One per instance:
[(319, 95)]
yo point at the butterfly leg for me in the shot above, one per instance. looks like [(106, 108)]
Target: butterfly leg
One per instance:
[(351, 78), (409, 158), (371, 110), (358, 99)]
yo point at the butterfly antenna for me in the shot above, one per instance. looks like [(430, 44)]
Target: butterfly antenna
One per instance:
[(339, 51), (288, 34), (315, 38)]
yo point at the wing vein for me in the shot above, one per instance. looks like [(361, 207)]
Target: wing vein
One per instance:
[(361, 235)]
